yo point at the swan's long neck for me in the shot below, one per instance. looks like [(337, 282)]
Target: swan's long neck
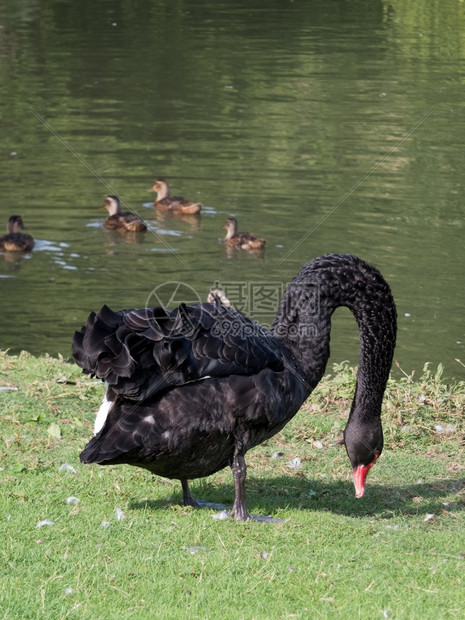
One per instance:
[(303, 323)]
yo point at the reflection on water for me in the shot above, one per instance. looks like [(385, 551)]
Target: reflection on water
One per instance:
[(193, 221), (323, 130)]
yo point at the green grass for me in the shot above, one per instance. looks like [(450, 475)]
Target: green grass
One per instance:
[(399, 552)]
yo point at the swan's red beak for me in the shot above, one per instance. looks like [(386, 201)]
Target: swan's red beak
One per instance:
[(360, 474)]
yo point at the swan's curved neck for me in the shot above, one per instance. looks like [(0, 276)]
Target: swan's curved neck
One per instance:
[(303, 322)]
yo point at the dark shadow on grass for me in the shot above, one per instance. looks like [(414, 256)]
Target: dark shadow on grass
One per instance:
[(274, 495)]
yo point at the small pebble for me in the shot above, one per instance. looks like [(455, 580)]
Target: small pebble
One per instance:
[(448, 428)]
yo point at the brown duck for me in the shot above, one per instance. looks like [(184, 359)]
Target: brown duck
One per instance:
[(245, 240), (15, 240), (122, 222), (178, 204)]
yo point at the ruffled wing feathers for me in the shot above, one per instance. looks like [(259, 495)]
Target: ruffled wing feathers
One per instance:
[(143, 351)]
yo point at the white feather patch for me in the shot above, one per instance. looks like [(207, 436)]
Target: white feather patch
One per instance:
[(102, 414)]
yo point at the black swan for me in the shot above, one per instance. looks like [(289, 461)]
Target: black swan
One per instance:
[(123, 222), (190, 391), (243, 240), (15, 240), (178, 204)]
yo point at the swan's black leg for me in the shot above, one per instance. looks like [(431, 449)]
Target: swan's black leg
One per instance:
[(187, 498), (239, 469)]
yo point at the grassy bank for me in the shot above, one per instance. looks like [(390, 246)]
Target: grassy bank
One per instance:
[(94, 542)]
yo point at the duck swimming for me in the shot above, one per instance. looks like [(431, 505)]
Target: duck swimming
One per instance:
[(15, 240), (245, 240), (122, 222), (178, 204), (191, 390)]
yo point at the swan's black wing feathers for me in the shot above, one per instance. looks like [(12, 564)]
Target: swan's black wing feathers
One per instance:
[(144, 351)]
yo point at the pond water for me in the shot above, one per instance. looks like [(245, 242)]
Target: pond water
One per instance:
[(328, 126)]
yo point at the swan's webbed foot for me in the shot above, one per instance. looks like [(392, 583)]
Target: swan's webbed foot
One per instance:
[(188, 500), (239, 511)]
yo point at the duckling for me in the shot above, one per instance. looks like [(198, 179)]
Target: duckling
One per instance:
[(121, 221), (178, 204), (15, 240), (245, 240)]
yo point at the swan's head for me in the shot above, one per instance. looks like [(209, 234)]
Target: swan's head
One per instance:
[(364, 444)]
